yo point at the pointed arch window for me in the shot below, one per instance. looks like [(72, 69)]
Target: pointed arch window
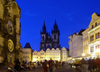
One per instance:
[(54, 36), (42, 37)]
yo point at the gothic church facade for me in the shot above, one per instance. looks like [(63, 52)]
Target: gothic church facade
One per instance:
[(47, 41)]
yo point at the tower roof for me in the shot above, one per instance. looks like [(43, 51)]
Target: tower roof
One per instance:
[(55, 28), (44, 28), (27, 45)]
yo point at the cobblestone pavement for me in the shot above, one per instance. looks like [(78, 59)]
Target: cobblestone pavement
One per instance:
[(65, 68)]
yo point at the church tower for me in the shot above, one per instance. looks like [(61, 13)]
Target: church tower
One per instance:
[(10, 30), (55, 36), (43, 37), (47, 41)]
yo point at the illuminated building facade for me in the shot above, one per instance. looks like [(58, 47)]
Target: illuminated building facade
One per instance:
[(27, 52), (10, 30), (93, 33), (76, 44), (55, 54)]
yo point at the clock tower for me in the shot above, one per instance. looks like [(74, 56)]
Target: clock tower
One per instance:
[(10, 46)]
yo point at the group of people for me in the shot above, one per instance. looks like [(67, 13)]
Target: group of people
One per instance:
[(51, 65), (90, 64), (21, 66)]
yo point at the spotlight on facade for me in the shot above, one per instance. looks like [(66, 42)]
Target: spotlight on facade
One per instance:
[(83, 54), (34, 59)]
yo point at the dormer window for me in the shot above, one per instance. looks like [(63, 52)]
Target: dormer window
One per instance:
[(95, 24), (92, 26)]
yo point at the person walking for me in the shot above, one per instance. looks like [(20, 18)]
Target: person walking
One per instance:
[(97, 64), (83, 64), (17, 65), (51, 64), (45, 66)]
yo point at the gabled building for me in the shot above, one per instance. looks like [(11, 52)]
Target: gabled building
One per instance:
[(55, 54)]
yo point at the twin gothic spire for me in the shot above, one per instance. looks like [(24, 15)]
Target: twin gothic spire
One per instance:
[(55, 28)]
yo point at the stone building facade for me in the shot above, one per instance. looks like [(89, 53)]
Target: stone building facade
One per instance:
[(10, 46)]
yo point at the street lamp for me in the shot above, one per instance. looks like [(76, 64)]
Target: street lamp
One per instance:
[(83, 55)]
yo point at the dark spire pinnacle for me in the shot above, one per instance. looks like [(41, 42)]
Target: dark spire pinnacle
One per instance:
[(55, 26), (44, 28)]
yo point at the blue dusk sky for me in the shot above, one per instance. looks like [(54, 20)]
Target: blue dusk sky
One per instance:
[(71, 16)]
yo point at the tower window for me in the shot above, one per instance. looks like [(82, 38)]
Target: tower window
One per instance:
[(43, 37), (54, 36)]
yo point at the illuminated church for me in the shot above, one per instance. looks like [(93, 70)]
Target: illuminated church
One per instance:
[(47, 41)]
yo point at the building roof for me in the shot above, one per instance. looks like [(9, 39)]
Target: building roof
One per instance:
[(80, 33), (27, 45)]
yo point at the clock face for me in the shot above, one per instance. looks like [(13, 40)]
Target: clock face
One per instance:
[(10, 45), (10, 27)]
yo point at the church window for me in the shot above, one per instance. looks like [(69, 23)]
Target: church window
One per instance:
[(54, 36), (43, 37)]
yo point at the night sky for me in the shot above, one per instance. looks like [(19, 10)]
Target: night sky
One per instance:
[(71, 16)]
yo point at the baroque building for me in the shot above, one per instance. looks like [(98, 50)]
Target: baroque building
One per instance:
[(10, 46), (91, 37), (47, 41)]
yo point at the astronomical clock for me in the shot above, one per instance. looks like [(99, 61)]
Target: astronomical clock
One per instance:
[(10, 29)]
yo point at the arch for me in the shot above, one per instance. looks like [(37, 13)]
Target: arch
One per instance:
[(49, 46)]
